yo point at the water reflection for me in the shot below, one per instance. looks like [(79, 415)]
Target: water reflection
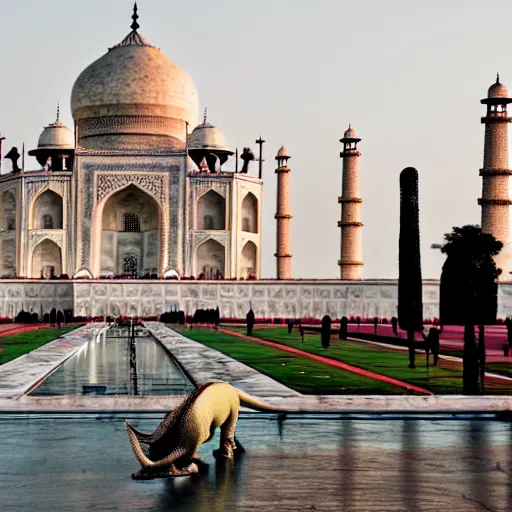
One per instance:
[(117, 366), (348, 462), (479, 457), (315, 464), (411, 466)]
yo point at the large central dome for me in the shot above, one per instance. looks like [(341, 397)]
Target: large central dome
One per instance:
[(134, 96)]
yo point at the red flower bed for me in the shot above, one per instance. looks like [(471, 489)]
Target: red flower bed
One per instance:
[(9, 330)]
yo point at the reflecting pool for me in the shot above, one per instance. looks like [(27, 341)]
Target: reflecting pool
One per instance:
[(57, 463), (117, 366)]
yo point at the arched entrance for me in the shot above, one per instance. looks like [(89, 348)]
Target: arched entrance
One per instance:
[(130, 234), (211, 212), (211, 259), (248, 264), (250, 213), (9, 210), (47, 260), (47, 211)]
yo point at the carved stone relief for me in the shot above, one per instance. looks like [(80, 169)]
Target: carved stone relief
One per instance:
[(155, 184)]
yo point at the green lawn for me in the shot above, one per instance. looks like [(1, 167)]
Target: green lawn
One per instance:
[(299, 373), (16, 345), (393, 364), (501, 368)]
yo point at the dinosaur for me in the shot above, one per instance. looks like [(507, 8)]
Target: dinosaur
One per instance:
[(171, 450)]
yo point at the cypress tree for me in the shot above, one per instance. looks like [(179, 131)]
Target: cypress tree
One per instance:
[(250, 322), (326, 331), (343, 332), (410, 300)]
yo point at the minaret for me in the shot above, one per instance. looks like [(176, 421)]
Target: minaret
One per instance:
[(351, 259), (283, 216), (495, 200)]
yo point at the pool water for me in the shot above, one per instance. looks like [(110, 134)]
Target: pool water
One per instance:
[(84, 462), (117, 366)]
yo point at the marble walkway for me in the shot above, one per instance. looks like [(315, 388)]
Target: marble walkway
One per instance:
[(21, 374), (205, 364)]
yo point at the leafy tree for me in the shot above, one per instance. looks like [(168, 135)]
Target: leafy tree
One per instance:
[(469, 294), (469, 288), (410, 300)]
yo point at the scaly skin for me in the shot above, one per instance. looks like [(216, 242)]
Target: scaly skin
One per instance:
[(171, 450)]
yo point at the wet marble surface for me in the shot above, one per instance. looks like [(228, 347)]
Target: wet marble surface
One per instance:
[(19, 375), (301, 464), (205, 364)]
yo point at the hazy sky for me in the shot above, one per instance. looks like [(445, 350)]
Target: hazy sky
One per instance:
[(407, 74)]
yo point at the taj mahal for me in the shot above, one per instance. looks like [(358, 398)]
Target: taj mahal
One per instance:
[(139, 189)]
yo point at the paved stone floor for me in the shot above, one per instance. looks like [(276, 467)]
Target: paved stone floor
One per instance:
[(85, 462)]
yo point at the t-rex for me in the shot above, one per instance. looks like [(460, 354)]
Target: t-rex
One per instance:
[(171, 450)]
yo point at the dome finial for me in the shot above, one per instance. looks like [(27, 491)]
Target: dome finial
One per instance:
[(205, 115), (498, 77), (58, 112), (135, 17)]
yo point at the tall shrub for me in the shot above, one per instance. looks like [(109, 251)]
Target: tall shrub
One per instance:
[(326, 331), (250, 322), (410, 301), (343, 332)]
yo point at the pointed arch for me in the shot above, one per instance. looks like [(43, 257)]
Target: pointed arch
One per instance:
[(250, 214), (129, 224), (9, 210), (104, 256), (211, 212), (248, 263), (211, 259), (46, 211), (46, 259)]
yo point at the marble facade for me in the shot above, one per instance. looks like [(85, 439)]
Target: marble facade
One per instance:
[(268, 299)]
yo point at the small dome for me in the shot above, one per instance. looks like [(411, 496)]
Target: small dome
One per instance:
[(350, 133), (207, 136), (56, 136), (498, 90), (282, 153)]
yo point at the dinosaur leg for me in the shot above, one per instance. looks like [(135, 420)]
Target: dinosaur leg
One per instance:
[(227, 438)]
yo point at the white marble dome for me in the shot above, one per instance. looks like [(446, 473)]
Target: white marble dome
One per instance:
[(56, 135), (207, 136), (133, 84)]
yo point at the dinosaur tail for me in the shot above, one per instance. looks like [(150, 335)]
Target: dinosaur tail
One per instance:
[(255, 403), (145, 462)]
